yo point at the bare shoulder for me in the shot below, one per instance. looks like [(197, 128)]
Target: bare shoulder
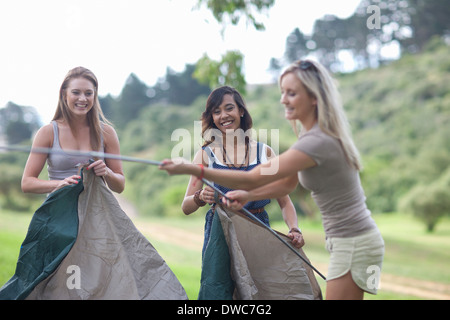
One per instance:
[(109, 134), (44, 136), (108, 129), (110, 140), (46, 128)]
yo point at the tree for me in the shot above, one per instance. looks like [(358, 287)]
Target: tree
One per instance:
[(296, 46), (179, 88), (10, 176), (18, 123), (11, 195), (275, 67), (231, 11), (228, 71), (109, 106), (412, 23), (331, 35), (133, 98), (429, 203), (429, 18)]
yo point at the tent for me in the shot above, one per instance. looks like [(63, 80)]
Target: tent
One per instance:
[(245, 261), (81, 245)]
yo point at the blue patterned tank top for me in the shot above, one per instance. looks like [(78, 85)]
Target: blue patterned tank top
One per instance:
[(261, 157)]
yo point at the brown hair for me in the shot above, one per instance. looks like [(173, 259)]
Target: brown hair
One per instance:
[(94, 116), (214, 101)]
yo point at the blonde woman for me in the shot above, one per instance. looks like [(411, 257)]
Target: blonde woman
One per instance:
[(325, 161), (78, 124)]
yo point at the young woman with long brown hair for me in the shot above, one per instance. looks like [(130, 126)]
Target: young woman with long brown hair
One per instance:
[(78, 124)]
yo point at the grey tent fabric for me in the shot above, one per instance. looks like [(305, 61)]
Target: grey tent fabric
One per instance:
[(114, 260), (262, 267)]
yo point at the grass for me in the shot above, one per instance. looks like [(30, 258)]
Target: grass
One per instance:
[(185, 263), (413, 251), (415, 264)]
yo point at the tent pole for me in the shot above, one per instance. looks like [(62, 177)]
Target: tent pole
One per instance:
[(91, 154), (94, 154), (262, 224)]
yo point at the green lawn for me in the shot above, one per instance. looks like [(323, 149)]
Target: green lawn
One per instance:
[(415, 265)]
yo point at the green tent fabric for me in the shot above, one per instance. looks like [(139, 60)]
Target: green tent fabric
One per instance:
[(244, 261), (216, 282), (113, 259), (51, 234)]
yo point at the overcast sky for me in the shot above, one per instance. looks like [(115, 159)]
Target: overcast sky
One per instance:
[(41, 40)]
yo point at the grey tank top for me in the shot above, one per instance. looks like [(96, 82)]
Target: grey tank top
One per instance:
[(60, 165)]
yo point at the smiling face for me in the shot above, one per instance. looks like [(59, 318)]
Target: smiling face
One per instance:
[(227, 116), (299, 105), (80, 96)]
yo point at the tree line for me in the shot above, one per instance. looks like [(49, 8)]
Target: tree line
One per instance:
[(376, 24), (379, 101), (410, 24)]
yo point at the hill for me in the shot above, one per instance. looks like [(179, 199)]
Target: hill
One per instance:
[(399, 113)]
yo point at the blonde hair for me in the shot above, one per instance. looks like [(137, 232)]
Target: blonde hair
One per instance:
[(94, 116), (330, 113)]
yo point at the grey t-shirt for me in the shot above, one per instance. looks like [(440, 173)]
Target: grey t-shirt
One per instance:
[(335, 186)]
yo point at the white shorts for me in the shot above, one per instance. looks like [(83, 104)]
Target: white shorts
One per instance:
[(362, 255)]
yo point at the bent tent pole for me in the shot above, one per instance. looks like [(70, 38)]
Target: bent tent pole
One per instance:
[(94, 154), (262, 224)]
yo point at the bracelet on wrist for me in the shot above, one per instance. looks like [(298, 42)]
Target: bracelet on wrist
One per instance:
[(295, 229), (197, 199)]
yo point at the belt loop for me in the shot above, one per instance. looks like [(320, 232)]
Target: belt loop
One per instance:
[(257, 210)]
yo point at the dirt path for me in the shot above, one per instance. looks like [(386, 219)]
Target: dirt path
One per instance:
[(126, 206), (409, 286), (160, 232), (415, 287), (194, 241), (172, 235)]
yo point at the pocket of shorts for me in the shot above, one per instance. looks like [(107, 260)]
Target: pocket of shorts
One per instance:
[(328, 245), (376, 247)]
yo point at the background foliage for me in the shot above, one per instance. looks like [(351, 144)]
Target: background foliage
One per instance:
[(399, 110)]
